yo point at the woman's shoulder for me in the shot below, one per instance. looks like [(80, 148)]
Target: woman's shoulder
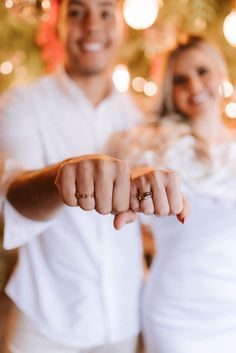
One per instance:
[(157, 133), (148, 141)]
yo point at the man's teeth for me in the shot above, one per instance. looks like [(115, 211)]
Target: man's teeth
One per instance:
[(94, 47), (200, 98)]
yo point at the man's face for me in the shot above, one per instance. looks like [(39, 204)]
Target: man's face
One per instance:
[(90, 32)]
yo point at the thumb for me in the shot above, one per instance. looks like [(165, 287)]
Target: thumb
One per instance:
[(182, 216), (124, 218)]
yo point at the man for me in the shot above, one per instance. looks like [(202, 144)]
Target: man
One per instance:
[(77, 284)]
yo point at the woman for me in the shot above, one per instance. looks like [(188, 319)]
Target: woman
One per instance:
[(189, 302)]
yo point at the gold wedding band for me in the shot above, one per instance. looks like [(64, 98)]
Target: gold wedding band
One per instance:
[(84, 196), (141, 197)]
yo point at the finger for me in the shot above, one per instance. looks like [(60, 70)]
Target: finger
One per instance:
[(146, 202), (173, 192), (66, 184), (159, 196), (182, 216), (137, 185), (134, 203), (124, 218), (85, 185), (121, 189), (103, 186), (144, 194)]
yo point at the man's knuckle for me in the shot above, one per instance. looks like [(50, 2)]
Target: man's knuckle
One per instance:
[(147, 212), (172, 176), (176, 209), (163, 211), (103, 210), (68, 201), (119, 209), (123, 168), (87, 207)]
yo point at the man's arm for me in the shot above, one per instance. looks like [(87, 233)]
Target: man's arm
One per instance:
[(35, 195), (91, 182), (102, 183)]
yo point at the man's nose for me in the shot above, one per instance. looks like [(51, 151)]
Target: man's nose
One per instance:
[(92, 23)]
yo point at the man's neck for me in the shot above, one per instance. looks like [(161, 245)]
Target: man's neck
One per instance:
[(95, 87)]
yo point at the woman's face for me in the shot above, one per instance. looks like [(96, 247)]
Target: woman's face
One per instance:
[(195, 84)]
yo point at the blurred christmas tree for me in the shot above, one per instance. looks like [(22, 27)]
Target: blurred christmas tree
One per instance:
[(19, 56), (20, 59), (175, 19)]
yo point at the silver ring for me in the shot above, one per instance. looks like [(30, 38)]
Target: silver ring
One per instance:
[(84, 196), (141, 197)]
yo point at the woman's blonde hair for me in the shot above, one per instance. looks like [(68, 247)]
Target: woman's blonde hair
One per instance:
[(167, 106)]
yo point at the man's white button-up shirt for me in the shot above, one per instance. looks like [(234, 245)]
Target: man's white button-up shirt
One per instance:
[(77, 279)]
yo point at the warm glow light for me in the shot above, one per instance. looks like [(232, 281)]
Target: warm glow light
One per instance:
[(121, 78), (26, 11), (200, 23), (140, 14), (6, 67), (150, 88), (230, 110), (226, 89), (21, 71), (229, 28), (46, 4), (8, 4), (138, 84)]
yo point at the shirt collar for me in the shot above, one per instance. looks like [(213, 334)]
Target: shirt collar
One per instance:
[(73, 90)]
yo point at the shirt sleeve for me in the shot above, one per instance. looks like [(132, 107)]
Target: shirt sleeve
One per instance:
[(18, 229), (20, 149), (19, 131)]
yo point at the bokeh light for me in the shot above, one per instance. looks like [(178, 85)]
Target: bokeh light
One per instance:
[(121, 78), (140, 14)]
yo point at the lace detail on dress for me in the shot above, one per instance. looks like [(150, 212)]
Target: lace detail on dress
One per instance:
[(210, 172)]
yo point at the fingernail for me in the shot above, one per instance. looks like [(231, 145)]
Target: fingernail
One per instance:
[(181, 219), (122, 224)]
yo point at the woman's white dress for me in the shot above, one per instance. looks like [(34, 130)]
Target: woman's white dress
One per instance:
[(189, 301)]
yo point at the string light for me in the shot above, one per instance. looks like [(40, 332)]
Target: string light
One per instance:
[(229, 28), (226, 89), (25, 9), (140, 14), (200, 23), (121, 78), (9, 4), (138, 84), (21, 71), (230, 110), (150, 88), (46, 4), (6, 67)]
